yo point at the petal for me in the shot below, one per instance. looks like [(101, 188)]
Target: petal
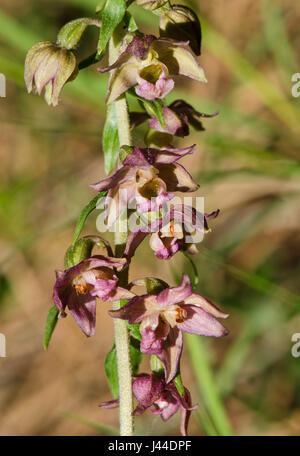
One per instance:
[(170, 410), (138, 158), (152, 337), (120, 293), (66, 68), (173, 122), (33, 59), (150, 91), (134, 311), (202, 323), (150, 343), (83, 310), (122, 175), (147, 389), (180, 61), (199, 301), (177, 178), (97, 261), (171, 353), (167, 156), (173, 295), (122, 79)]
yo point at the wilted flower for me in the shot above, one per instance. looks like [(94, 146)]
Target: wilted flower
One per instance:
[(165, 316), (78, 287), (147, 176), (161, 398), (149, 63), (177, 116), (48, 67)]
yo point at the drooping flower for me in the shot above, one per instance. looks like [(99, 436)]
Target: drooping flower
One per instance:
[(149, 63), (164, 317), (180, 229), (148, 176), (49, 67), (78, 287), (178, 116), (161, 398)]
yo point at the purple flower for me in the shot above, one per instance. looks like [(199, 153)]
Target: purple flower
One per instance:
[(78, 287), (161, 398), (164, 317), (149, 63), (148, 177), (171, 232)]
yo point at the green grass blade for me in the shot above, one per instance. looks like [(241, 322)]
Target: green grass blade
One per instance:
[(102, 428), (206, 384)]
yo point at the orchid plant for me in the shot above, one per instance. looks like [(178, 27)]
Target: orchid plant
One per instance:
[(142, 187)]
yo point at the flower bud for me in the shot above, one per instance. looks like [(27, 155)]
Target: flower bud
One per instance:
[(82, 250), (158, 7), (182, 24), (49, 67)]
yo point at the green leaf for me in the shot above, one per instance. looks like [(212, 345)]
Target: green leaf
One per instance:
[(51, 322), (130, 22), (155, 109), (85, 213), (111, 371), (135, 355), (135, 330), (157, 366), (111, 364), (179, 385), (112, 15), (110, 139)]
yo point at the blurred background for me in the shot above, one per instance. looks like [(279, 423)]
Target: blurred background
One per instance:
[(248, 166)]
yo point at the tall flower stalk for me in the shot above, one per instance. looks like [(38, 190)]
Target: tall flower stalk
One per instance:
[(137, 200)]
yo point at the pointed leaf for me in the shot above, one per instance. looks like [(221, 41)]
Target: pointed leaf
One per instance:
[(111, 364), (112, 15), (85, 213), (110, 139), (51, 322)]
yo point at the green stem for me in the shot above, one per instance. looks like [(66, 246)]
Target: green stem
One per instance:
[(121, 331)]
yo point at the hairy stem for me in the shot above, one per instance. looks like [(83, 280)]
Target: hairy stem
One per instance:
[(121, 331)]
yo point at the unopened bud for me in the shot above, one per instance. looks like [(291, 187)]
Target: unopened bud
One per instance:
[(82, 249), (48, 67), (182, 24)]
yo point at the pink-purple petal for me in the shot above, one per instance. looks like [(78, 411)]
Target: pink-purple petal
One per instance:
[(202, 323), (173, 295)]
